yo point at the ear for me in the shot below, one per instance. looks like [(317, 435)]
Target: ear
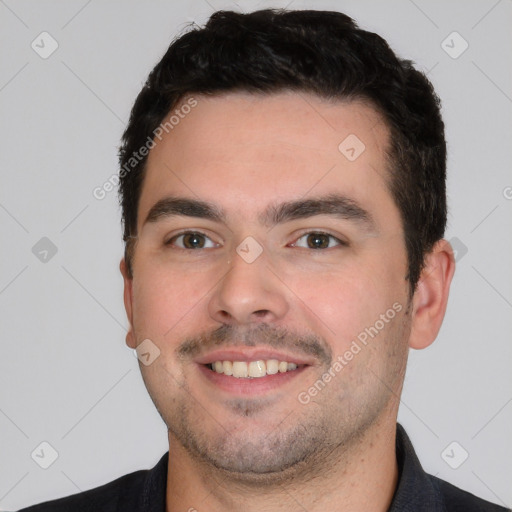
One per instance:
[(431, 295), (128, 303)]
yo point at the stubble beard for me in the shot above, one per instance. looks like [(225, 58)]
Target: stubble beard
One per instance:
[(306, 441)]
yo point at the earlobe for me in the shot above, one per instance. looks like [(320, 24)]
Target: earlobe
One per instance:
[(431, 295), (128, 303)]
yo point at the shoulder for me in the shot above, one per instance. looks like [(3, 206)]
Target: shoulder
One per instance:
[(417, 491), (458, 500), (144, 489), (104, 498)]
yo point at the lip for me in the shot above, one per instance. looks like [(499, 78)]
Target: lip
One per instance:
[(249, 386), (249, 354)]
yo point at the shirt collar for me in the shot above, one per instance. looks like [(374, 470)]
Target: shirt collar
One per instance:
[(416, 491), (154, 492)]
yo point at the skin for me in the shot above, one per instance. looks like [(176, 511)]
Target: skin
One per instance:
[(260, 448)]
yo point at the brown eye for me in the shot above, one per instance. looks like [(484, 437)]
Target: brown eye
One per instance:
[(318, 240), (191, 240)]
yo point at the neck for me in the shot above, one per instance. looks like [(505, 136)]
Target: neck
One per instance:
[(362, 476)]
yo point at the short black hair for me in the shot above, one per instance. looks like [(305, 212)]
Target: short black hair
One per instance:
[(320, 52)]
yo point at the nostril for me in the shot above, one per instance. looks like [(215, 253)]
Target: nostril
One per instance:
[(261, 312)]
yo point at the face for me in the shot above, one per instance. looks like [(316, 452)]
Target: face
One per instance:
[(269, 273)]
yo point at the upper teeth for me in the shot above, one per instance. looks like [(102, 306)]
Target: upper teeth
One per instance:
[(241, 369)]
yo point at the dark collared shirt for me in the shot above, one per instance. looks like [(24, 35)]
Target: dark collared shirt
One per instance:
[(144, 491)]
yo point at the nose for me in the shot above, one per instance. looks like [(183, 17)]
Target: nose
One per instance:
[(248, 293)]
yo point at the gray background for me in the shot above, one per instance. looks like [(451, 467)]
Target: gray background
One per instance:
[(66, 376)]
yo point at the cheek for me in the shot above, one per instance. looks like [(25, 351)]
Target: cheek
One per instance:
[(165, 298), (341, 305)]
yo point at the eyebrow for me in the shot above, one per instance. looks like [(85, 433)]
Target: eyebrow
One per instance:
[(335, 205), (181, 206)]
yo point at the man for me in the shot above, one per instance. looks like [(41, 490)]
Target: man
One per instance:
[(283, 194)]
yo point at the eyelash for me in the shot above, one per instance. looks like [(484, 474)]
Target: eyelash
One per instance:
[(183, 233), (340, 243)]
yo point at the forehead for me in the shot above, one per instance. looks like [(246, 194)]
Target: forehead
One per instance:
[(250, 150)]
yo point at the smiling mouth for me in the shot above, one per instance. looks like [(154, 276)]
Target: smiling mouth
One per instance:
[(252, 369)]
